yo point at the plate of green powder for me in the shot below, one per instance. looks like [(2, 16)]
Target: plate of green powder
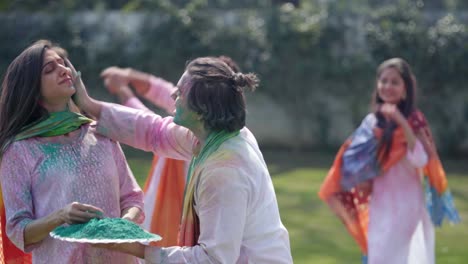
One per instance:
[(106, 230)]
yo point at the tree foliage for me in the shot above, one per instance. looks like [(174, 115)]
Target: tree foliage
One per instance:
[(317, 60)]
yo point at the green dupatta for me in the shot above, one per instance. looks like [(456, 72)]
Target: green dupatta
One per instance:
[(58, 123)]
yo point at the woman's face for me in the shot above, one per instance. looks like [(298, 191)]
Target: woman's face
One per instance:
[(390, 86), (56, 82)]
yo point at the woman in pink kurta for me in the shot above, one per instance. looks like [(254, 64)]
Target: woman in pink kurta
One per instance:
[(42, 175), (61, 172)]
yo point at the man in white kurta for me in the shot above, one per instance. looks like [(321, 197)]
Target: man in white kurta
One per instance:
[(235, 199)]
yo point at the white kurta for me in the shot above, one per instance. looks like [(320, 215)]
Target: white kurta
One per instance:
[(400, 229), (234, 198)]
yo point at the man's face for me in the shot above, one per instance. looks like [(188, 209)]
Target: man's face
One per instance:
[(184, 116)]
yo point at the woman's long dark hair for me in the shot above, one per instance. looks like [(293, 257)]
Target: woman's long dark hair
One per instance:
[(21, 91), (406, 105)]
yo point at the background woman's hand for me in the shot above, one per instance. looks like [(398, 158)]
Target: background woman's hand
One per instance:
[(391, 112), (115, 77), (79, 213), (116, 85)]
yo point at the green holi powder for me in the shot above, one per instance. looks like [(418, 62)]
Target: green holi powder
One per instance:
[(107, 228), (178, 115)]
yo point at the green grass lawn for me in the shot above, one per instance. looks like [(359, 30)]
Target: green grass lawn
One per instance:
[(316, 234)]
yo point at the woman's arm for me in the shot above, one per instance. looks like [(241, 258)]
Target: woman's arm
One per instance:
[(391, 111), (39, 229), (137, 79), (157, 90), (139, 129), (131, 195), (160, 94), (409, 134)]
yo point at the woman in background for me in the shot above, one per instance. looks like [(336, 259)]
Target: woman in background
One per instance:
[(375, 183)]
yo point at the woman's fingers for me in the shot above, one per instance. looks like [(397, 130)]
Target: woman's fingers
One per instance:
[(88, 207), (72, 68), (80, 213)]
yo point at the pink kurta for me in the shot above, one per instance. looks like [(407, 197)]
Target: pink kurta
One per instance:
[(400, 229), (42, 175), (160, 93)]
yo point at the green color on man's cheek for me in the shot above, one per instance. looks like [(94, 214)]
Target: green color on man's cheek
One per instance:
[(185, 117), (178, 115)]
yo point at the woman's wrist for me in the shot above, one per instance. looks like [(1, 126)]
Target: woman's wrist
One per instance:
[(124, 93), (132, 214), (129, 72), (140, 81), (57, 218)]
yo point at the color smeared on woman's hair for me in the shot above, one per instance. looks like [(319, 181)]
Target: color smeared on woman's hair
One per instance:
[(21, 91), (406, 105), (217, 93)]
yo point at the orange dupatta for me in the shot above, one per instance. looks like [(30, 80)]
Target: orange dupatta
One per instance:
[(352, 206), (168, 206)]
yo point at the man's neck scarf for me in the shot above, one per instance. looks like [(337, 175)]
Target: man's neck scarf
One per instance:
[(190, 225)]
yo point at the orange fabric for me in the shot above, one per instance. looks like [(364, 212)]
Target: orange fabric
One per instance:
[(397, 150), (168, 206), (189, 224), (352, 206), (9, 253), (151, 172), (331, 184), (353, 216), (436, 173), (434, 169)]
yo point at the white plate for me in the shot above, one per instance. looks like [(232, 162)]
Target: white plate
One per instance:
[(145, 241)]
